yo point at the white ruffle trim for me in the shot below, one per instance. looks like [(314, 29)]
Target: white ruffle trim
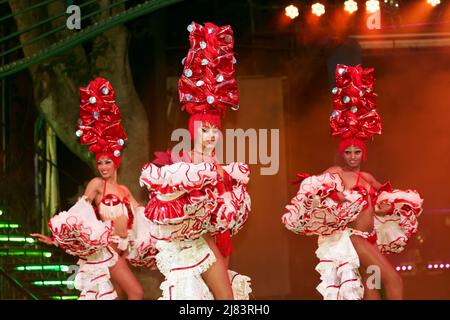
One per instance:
[(179, 176), (233, 211), (79, 232), (182, 264), (238, 171), (313, 212), (190, 174), (93, 277), (338, 268), (142, 249), (195, 288), (184, 258), (240, 285), (394, 230)]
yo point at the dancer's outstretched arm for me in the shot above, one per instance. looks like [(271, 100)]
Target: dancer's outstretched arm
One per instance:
[(43, 238)]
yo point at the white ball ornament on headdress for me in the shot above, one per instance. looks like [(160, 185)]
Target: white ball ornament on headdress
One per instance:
[(219, 78), (210, 99)]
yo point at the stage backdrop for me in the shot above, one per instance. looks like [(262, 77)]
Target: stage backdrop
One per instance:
[(261, 248)]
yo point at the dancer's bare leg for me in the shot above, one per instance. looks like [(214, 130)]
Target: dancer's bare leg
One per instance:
[(124, 277), (121, 295), (216, 277), (227, 262), (369, 293), (369, 255)]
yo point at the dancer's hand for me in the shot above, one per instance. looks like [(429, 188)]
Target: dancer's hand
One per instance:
[(43, 238)]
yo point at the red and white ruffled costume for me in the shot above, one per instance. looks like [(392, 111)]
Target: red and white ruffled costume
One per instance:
[(186, 202), (316, 211), (79, 233), (142, 251)]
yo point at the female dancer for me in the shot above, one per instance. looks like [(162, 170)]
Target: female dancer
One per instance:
[(357, 219), (194, 199), (101, 129), (207, 135)]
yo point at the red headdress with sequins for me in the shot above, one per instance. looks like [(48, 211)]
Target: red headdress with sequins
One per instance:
[(100, 121), (207, 86), (354, 118)]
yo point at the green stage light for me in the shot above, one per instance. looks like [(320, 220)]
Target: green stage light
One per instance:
[(9, 226), (26, 253), (1, 212), (49, 283), (64, 297), (16, 239), (53, 267)]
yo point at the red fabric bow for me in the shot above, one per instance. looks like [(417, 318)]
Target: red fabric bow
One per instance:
[(301, 176), (387, 186), (163, 158)]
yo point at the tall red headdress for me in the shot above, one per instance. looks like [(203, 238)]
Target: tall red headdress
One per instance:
[(354, 118), (207, 86), (100, 121)]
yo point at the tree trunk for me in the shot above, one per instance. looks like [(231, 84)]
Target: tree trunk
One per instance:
[(57, 82)]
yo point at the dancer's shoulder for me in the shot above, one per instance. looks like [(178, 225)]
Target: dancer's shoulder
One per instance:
[(334, 169), (94, 184), (97, 181), (93, 188)]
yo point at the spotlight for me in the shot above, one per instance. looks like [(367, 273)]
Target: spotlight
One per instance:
[(291, 11), (430, 266), (410, 268), (372, 6), (441, 266), (433, 3), (398, 268), (403, 268), (392, 3), (436, 266), (350, 6), (447, 265), (318, 9)]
